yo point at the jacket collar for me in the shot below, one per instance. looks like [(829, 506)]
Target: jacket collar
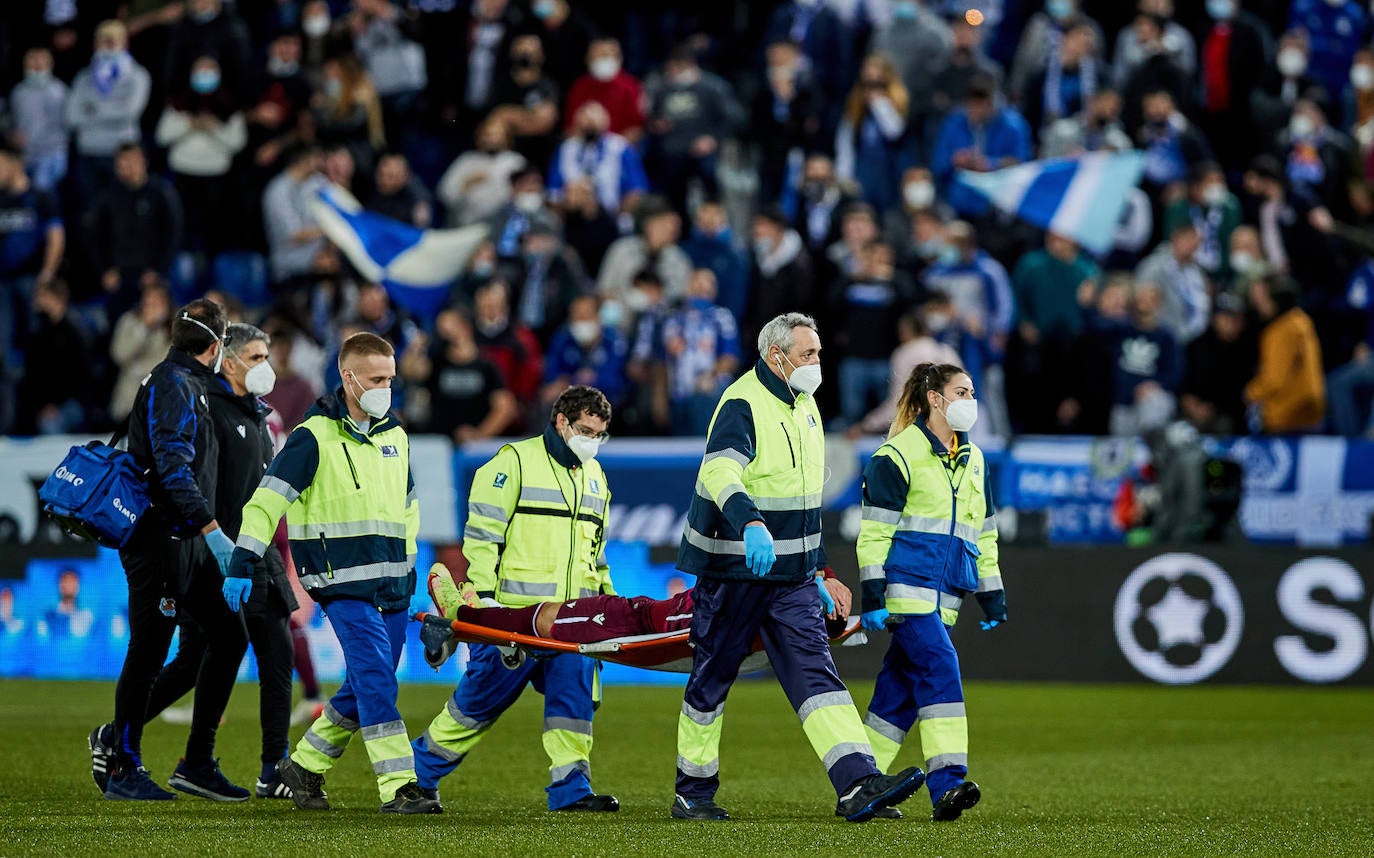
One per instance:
[(188, 360), (559, 449), (776, 386), (938, 447), (248, 403), (332, 405)]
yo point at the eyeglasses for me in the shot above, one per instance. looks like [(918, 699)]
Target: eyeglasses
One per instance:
[(588, 432)]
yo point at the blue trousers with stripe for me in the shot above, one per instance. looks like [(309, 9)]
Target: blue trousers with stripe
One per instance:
[(372, 642)]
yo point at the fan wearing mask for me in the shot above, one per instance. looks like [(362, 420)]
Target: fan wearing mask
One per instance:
[(928, 539)]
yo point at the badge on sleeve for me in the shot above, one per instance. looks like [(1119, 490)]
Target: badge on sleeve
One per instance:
[(389, 451), (593, 487), (500, 481)]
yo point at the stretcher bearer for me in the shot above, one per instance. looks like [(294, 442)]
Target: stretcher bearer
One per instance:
[(343, 481), (536, 532), (928, 539), (753, 539)]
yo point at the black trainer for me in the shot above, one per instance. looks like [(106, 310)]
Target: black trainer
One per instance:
[(430, 793), (955, 801), (593, 804), (878, 791), (307, 788), (102, 755), (702, 808), (207, 781), (887, 813), (271, 788), (135, 784), (411, 799)]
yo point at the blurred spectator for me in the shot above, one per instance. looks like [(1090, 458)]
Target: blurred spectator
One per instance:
[(829, 42), (653, 246), (858, 227), (609, 85), (646, 368), (340, 168), (294, 392), (566, 35), (1068, 80), (283, 96), (1218, 366), (1289, 81), (526, 208), (702, 349), (604, 158), (1319, 158), (551, 275), (1234, 58), (1174, 42), (67, 618), (1147, 365), (786, 117), (586, 352), (924, 242), (1350, 387), (107, 99), (347, 111), (1293, 227), (869, 301), (210, 29), (527, 101), (32, 239), (375, 314), (1158, 69), (916, 347), (712, 246), (1088, 407), (1213, 210), (468, 399), (203, 132), (135, 231), (918, 195), (394, 62), (53, 395), (871, 146), (506, 343), (1245, 258), (589, 229), (1359, 110), (478, 184), (967, 63), (1185, 306), (399, 195), (1041, 38), (493, 25), (293, 237), (980, 136), (690, 111), (920, 43), (1288, 390), (1337, 29), (39, 107), (1172, 146), (784, 277), (141, 339), (823, 198), (1097, 128)]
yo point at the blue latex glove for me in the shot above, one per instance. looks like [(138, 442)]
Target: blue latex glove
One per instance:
[(989, 625), (420, 602), (827, 601), (237, 591), (875, 621), (222, 547), (758, 549)]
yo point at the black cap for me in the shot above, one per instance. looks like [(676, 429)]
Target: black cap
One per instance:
[(1226, 302)]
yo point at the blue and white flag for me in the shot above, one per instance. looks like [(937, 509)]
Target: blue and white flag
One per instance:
[(1081, 198), (416, 266)]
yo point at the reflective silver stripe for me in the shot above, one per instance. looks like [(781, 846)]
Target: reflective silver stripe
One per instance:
[(884, 729), (279, 486), (560, 772), (725, 494), (941, 710), (333, 716), (989, 582), (323, 745), (946, 760), (906, 591), (966, 532), (248, 543), (881, 515), (952, 603), (366, 572), (595, 504), (399, 764), (432, 745), (528, 588), (990, 524), (542, 495), (871, 573), (733, 455), (584, 593), (705, 719), (411, 497), (789, 504), (692, 770), (820, 701), (572, 725), (381, 731), (844, 749), (462, 720), (345, 529), (781, 547), (481, 534), (486, 510)]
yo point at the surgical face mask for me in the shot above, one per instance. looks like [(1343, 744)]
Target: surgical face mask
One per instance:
[(1059, 9), (918, 195), (613, 314), (1242, 261), (1362, 77), (315, 26), (282, 68), (492, 328), (960, 414), (1301, 126), (529, 202), (637, 300), (38, 76), (219, 359), (904, 10), (585, 332), (804, 379), (333, 87), (205, 81), (949, 255), (260, 379), (106, 56), (375, 402), (937, 323), (1214, 195), (584, 448), (483, 270), (763, 247), (1221, 10), (605, 68), (1292, 62), (544, 8)]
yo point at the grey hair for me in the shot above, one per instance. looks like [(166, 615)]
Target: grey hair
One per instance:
[(779, 332), (240, 334)]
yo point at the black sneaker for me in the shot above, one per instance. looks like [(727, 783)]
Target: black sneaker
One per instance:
[(271, 788), (430, 793), (593, 804), (135, 785), (102, 755), (955, 801), (879, 791), (887, 813), (207, 781), (702, 808), (411, 799), (307, 788)]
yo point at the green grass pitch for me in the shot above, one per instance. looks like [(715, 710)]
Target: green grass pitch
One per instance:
[(1105, 770)]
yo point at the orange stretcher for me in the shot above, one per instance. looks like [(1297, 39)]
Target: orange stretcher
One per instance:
[(666, 651)]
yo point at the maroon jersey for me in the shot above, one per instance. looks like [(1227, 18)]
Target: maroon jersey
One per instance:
[(599, 618)]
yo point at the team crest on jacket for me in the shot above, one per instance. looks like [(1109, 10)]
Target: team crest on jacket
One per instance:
[(811, 419), (593, 487), (243, 433), (389, 451), (500, 481)]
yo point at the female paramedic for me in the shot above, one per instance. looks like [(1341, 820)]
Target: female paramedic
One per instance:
[(928, 538)]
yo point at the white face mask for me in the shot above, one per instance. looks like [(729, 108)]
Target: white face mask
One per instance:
[(584, 448), (1292, 62), (585, 333), (376, 402), (315, 26), (219, 359), (1301, 126), (1214, 195), (260, 380), (918, 195), (1242, 261), (529, 202), (804, 379), (1362, 78), (605, 68), (961, 414)]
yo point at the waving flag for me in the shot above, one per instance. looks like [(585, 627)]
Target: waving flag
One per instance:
[(1081, 198), (416, 266)]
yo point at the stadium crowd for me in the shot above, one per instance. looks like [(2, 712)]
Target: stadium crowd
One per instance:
[(660, 179)]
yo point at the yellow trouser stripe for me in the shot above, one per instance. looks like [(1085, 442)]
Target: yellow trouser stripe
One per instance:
[(948, 616), (452, 734), (698, 745), (324, 742), (944, 741), (835, 730), (392, 760), (568, 752)]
